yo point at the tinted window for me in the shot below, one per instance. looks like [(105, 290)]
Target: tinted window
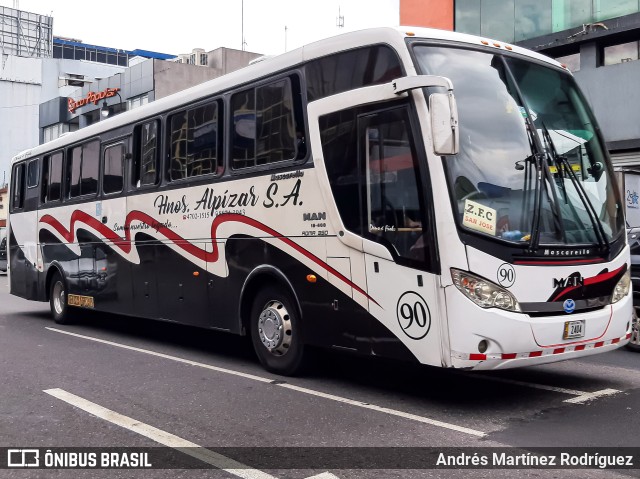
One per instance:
[(17, 188), (372, 165), (90, 167), (349, 70), (112, 175), (194, 142), (265, 129), (52, 178), (395, 212), (340, 147), (33, 171), (74, 166), (244, 129), (146, 165), (83, 170)]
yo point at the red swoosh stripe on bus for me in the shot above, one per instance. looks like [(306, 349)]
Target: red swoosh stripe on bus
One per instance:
[(599, 278), (210, 257)]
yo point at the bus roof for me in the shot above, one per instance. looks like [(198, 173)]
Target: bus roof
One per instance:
[(394, 36)]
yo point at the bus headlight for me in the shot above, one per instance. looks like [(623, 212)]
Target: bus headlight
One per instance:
[(483, 292), (622, 288)]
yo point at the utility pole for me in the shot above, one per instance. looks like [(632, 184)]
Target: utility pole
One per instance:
[(285, 38)]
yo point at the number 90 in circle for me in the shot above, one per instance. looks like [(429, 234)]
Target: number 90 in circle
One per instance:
[(413, 315)]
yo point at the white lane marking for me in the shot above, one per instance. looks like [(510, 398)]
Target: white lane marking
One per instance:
[(581, 396), (385, 410), (162, 437), (166, 356), (373, 407), (573, 392), (324, 475), (589, 396)]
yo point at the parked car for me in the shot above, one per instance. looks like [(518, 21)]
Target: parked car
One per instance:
[(633, 236), (3, 255)]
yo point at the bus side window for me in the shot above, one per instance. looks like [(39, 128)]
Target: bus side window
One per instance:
[(193, 142), (267, 124), (349, 70), (339, 134), (33, 170), (82, 170), (52, 178), (112, 174), (146, 158), (17, 188), (44, 189)]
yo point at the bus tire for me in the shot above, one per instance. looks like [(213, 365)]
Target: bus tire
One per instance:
[(634, 342), (58, 300), (276, 331)]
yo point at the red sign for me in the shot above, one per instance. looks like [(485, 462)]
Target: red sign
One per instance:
[(91, 98)]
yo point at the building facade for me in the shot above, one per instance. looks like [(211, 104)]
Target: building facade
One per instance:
[(597, 39), (53, 85), (144, 81)]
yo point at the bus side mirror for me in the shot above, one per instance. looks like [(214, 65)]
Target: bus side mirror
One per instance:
[(444, 123)]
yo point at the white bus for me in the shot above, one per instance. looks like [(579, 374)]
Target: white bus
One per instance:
[(409, 193)]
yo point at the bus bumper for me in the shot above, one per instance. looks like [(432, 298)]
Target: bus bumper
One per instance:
[(515, 339)]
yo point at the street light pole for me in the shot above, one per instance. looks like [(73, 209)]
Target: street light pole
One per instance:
[(104, 111)]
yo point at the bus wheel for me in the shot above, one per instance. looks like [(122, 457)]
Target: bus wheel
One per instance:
[(58, 300), (634, 342), (275, 332)]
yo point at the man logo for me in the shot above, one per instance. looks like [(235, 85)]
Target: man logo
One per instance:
[(569, 306), (574, 281)]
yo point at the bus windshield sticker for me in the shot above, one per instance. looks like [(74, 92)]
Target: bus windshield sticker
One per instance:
[(479, 217)]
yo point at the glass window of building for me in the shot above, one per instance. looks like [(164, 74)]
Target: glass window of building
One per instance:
[(467, 16), (571, 61), (532, 18), (571, 13), (56, 131), (605, 9), (137, 101), (498, 19), (624, 52)]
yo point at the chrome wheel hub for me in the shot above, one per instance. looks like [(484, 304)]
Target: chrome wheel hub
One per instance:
[(58, 297), (274, 328)]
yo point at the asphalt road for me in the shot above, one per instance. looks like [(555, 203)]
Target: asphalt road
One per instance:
[(111, 381)]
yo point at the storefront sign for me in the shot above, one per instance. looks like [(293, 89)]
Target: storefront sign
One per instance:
[(91, 98)]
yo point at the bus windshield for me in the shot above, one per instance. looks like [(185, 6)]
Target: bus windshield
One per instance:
[(531, 168)]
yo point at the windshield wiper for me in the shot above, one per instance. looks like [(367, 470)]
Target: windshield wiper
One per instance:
[(542, 169), (563, 163)]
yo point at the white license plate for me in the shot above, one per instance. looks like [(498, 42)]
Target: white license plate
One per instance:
[(573, 329)]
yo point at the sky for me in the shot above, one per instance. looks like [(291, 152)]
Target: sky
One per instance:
[(209, 24)]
